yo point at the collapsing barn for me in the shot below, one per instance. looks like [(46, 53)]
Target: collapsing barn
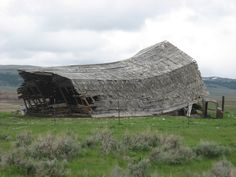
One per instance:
[(158, 79)]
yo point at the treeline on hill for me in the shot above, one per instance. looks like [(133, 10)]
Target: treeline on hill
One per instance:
[(9, 76), (217, 81), (10, 79)]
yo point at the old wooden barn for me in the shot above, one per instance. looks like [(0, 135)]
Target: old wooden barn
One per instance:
[(158, 79)]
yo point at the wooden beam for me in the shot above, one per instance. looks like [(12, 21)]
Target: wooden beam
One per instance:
[(25, 104), (189, 110), (205, 108), (64, 97), (223, 103)]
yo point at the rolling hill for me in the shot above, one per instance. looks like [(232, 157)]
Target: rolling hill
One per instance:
[(218, 86), (9, 76)]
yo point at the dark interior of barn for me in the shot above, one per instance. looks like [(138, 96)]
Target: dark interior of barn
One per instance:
[(51, 94)]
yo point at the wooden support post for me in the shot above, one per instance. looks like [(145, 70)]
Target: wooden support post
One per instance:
[(74, 96), (119, 110), (87, 104), (29, 103), (42, 96), (189, 110), (64, 97), (71, 93), (205, 108), (217, 116), (223, 104), (25, 104)]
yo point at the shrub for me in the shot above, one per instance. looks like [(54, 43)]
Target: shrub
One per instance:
[(91, 141), (140, 169), (141, 142), (118, 172), (44, 157), (178, 155), (171, 151), (18, 159), (220, 169), (105, 140), (108, 144), (5, 137), (170, 142), (23, 139), (44, 147), (28, 165), (32, 167), (15, 157), (52, 147), (51, 168), (210, 149), (67, 147)]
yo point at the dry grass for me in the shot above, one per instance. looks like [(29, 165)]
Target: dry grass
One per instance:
[(9, 100), (9, 106)]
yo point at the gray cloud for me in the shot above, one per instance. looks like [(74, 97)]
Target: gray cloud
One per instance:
[(61, 32), (96, 15)]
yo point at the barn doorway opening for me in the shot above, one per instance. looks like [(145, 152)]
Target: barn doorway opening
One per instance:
[(47, 94)]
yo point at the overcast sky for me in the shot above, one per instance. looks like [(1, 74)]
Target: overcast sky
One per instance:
[(65, 32)]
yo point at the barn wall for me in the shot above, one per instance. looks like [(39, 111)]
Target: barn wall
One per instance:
[(158, 79), (159, 94)]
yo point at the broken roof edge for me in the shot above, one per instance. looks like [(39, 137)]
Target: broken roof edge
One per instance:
[(162, 44), (130, 79), (90, 72)]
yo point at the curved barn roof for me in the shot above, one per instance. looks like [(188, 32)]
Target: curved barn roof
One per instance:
[(153, 61), (158, 79)]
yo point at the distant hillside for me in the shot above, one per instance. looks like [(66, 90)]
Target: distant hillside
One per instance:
[(9, 76), (218, 87), (215, 82)]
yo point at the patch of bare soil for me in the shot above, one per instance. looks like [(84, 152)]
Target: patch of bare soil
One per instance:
[(9, 101)]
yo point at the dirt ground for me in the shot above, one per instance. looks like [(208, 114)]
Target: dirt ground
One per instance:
[(10, 105), (9, 101)]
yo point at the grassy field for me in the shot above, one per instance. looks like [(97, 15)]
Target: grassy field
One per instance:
[(92, 162), (230, 97)]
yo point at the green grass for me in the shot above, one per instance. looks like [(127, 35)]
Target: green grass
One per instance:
[(94, 163)]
